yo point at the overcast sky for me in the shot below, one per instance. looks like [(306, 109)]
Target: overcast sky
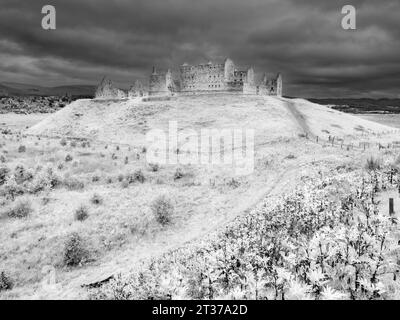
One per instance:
[(123, 39)]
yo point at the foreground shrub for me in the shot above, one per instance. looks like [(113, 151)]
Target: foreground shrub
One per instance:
[(21, 149), (373, 164), (5, 282), (75, 252), (82, 213), (162, 209), (326, 240), (20, 209)]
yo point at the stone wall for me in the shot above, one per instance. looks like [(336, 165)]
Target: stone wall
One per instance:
[(271, 87), (106, 90), (203, 77)]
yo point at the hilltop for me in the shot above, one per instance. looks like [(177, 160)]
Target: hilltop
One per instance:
[(273, 118)]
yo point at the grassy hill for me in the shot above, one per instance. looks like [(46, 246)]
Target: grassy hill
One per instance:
[(103, 189)]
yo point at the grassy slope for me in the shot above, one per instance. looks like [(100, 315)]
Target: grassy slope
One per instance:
[(122, 230)]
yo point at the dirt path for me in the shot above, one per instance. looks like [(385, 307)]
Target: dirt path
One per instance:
[(298, 117)]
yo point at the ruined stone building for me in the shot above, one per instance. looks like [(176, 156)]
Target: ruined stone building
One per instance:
[(210, 77), (106, 90), (202, 78)]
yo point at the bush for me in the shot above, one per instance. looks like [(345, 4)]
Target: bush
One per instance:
[(11, 188), (21, 149), (73, 144), (163, 209), (75, 252), (45, 180), (96, 199), (4, 171), (22, 175), (3, 159), (81, 214), (373, 164), (136, 176), (95, 178), (5, 282), (21, 209), (68, 158)]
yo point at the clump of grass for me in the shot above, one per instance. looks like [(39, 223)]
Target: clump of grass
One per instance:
[(21, 149), (81, 214), (162, 209), (125, 184), (96, 199), (233, 183), (73, 184), (63, 142), (3, 159), (95, 178), (68, 158), (5, 281), (372, 164), (4, 172), (21, 209), (179, 174), (290, 156), (136, 176), (154, 167), (75, 252), (73, 144)]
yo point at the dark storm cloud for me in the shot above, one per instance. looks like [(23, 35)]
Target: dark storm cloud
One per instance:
[(303, 39)]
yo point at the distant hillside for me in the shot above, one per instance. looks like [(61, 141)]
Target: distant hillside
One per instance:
[(20, 89), (363, 105)]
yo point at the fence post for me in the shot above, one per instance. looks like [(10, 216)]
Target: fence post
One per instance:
[(391, 206)]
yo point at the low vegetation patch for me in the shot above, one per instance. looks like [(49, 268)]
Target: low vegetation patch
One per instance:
[(75, 251), (82, 213), (326, 240), (162, 209), (20, 209), (96, 199), (5, 281)]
